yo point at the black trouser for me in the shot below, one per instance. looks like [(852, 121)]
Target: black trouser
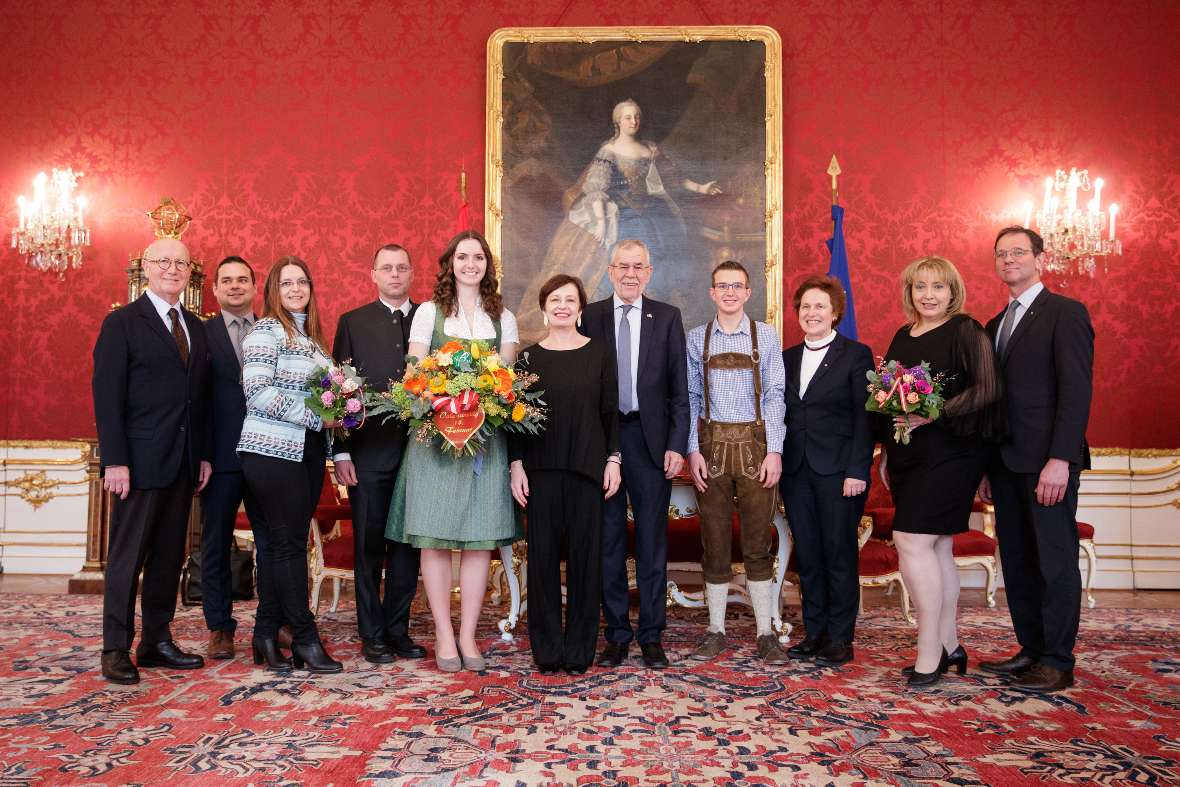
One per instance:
[(1039, 553), (287, 493), (219, 510), (564, 521), (147, 534), (823, 525), (379, 619), (649, 491)]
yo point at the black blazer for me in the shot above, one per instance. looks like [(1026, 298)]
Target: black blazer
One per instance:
[(150, 409), (227, 402), (1048, 375), (829, 427), (374, 339), (662, 371)]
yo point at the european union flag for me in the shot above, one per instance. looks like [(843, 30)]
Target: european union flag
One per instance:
[(839, 269)]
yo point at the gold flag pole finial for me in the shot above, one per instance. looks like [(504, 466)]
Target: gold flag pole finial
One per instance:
[(834, 171), (463, 183)]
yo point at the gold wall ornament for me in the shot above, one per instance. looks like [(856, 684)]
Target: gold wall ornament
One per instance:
[(510, 156), (169, 219), (36, 488)]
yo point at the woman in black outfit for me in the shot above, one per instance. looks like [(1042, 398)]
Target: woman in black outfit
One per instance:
[(562, 476), (934, 478), (826, 460)]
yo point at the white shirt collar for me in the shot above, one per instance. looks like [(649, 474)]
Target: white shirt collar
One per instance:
[(404, 308), (619, 303), (163, 307), (820, 342), (1028, 296)]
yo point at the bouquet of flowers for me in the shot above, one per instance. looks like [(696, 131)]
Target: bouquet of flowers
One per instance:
[(462, 392), (337, 393), (896, 390)]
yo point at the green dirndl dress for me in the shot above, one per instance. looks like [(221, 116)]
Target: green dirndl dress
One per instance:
[(441, 501)]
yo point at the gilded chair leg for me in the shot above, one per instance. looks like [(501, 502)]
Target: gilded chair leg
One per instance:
[(1091, 566)]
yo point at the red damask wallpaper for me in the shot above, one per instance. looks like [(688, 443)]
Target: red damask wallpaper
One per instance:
[(327, 129)]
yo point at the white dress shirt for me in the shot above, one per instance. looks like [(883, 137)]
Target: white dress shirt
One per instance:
[(635, 318), (812, 358), (163, 307), (404, 308)]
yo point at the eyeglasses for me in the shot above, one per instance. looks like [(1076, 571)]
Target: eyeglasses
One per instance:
[(1016, 254), (388, 269), (288, 284), (733, 286), (167, 264), (625, 269)]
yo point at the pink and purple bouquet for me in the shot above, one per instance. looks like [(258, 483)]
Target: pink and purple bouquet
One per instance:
[(897, 390), (337, 393)]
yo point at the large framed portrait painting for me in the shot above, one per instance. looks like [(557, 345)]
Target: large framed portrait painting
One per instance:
[(668, 135)]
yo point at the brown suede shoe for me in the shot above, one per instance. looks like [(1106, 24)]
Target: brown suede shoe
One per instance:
[(770, 651), (221, 645), (283, 640), (711, 646)]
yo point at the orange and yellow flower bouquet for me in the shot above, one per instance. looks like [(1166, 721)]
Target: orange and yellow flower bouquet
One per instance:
[(462, 393)]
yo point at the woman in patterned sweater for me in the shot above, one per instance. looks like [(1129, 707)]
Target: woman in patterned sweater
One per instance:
[(283, 447)]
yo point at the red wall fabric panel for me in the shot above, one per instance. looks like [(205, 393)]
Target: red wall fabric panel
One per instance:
[(327, 129)]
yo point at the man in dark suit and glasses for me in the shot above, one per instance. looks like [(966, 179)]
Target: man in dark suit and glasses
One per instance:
[(234, 288), (646, 338), (151, 374), (1045, 348), (374, 339)]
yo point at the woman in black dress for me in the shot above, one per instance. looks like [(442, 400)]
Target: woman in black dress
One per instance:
[(934, 478), (561, 477)]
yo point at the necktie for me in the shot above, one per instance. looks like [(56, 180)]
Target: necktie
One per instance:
[(178, 335), (236, 329), (1006, 327), (623, 351)]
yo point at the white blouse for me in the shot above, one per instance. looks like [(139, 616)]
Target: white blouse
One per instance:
[(812, 359), (422, 329)]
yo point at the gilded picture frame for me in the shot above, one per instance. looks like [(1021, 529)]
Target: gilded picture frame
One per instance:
[(669, 134)]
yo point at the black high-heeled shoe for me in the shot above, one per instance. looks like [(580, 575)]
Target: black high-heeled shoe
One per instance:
[(266, 651), (315, 657), (957, 659), (925, 679)]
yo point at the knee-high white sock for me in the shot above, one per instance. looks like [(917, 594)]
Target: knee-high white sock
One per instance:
[(716, 597), (760, 598)]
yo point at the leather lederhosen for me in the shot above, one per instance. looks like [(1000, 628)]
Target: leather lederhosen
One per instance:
[(734, 453)]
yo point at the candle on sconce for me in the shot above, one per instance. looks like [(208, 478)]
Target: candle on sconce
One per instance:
[(24, 211), (81, 212), (1114, 211), (1028, 214), (1071, 195), (1098, 195), (1048, 192)]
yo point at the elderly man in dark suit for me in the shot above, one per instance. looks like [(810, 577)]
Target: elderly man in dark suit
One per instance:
[(374, 339), (234, 288), (1045, 348), (151, 373), (647, 340)]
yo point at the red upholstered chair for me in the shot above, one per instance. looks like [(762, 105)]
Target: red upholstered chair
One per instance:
[(879, 565), (1086, 542)]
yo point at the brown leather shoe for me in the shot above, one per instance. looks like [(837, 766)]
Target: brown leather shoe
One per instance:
[(1043, 679), (221, 645), (283, 640), (711, 646), (770, 651)]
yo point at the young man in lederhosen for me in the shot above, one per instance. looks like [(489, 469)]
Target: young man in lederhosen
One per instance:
[(735, 392)]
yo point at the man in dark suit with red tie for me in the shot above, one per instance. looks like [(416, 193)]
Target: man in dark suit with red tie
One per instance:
[(1045, 348), (151, 374), (374, 339), (646, 340)]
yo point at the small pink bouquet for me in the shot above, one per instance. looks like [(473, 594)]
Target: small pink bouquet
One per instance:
[(896, 390), (337, 393)]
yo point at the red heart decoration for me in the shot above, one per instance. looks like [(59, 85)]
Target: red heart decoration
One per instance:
[(457, 428)]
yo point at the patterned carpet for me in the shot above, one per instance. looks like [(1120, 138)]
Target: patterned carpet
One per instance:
[(734, 722)]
